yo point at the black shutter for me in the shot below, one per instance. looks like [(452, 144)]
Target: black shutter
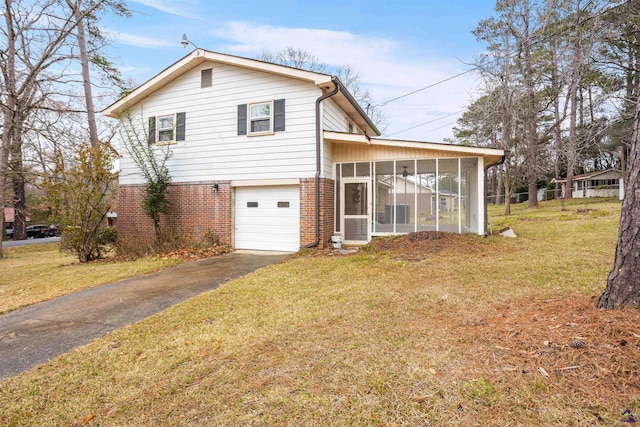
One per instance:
[(180, 123), (152, 130), (242, 119), (278, 115)]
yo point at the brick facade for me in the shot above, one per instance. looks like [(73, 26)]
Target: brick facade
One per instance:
[(307, 211), (198, 209)]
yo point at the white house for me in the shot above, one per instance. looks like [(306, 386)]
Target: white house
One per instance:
[(606, 183), (271, 157)]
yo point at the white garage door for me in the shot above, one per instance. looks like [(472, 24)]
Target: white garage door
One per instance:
[(268, 218)]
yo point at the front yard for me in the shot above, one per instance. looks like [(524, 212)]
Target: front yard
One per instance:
[(461, 330), (36, 273)]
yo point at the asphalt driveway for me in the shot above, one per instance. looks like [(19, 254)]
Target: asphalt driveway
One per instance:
[(32, 335)]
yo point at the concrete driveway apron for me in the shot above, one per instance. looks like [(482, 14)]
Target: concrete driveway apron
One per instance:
[(34, 334)]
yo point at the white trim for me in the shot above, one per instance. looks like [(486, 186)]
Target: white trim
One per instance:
[(265, 182), (460, 196), (364, 139), (249, 119), (357, 180), (173, 128), (196, 58), (481, 197), (437, 195), (395, 196)]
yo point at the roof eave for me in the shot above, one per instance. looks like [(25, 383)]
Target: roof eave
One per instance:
[(362, 120), (195, 58), (492, 154)]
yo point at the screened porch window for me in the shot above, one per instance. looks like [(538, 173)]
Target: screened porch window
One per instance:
[(418, 194)]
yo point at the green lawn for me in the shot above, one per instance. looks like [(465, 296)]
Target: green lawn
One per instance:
[(463, 330)]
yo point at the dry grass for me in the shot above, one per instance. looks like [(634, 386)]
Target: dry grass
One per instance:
[(36, 273), (455, 331)]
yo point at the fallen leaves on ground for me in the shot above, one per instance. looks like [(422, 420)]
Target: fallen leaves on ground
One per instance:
[(567, 342), (192, 254)]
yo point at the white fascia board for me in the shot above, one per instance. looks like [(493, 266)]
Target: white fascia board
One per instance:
[(196, 58), (350, 138), (265, 182), (355, 138), (438, 147)]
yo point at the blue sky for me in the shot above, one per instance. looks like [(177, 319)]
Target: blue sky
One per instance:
[(396, 46)]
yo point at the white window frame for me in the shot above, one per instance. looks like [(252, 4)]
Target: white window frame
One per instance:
[(351, 127), (251, 119), (173, 128)]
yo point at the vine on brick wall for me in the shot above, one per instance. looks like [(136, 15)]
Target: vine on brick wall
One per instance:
[(151, 159)]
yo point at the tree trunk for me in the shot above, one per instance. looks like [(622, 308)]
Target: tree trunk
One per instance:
[(623, 283), (507, 186), (19, 201), (86, 81), (498, 193), (572, 142)]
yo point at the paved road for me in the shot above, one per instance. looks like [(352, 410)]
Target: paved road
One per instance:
[(35, 334), (10, 243)]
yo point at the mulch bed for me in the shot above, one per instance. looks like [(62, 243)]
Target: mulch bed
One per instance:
[(419, 245), (569, 342)]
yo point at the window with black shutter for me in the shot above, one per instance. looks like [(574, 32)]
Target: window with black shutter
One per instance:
[(167, 128), (261, 118)]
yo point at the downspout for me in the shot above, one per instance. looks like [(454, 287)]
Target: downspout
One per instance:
[(319, 158), (486, 210)]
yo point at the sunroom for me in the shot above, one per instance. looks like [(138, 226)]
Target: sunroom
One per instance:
[(386, 187)]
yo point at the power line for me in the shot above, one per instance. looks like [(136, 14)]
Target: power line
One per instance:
[(426, 123), (426, 87), (530, 38)]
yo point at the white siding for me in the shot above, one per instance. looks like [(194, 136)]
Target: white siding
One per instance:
[(333, 119), (212, 149)]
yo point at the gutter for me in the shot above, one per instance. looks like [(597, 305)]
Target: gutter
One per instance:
[(357, 106), (486, 211), (337, 85)]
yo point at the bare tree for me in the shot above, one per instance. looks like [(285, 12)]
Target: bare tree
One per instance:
[(299, 58), (296, 58), (504, 96), (581, 46), (84, 62), (36, 49)]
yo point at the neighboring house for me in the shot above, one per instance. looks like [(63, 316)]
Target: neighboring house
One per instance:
[(271, 157), (606, 183)]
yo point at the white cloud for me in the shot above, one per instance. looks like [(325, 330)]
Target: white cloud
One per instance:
[(181, 8), (386, 67), (137, 40)]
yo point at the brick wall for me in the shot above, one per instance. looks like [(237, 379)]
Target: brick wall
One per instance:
[(307, 211), (196, 209)]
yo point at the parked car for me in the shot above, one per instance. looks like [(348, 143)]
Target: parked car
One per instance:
[(40, 231), (8, 232)]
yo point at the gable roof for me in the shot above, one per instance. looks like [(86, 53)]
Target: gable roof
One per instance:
[(324, 81), (588, 176)]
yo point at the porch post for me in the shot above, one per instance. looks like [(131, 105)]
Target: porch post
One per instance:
[(482, 200)]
